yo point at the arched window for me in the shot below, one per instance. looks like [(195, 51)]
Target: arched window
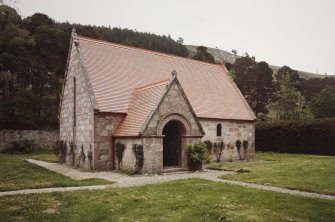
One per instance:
[(219, 130)]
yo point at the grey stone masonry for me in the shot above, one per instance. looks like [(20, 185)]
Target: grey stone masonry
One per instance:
[(174, 106), (45, 139), (232, 130), (104, 126), (76, 113)]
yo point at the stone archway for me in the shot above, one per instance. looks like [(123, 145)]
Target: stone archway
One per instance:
[(173, 132)]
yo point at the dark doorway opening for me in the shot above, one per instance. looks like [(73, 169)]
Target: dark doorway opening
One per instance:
[(172, 143)]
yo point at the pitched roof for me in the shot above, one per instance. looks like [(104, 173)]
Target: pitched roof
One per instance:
[(143, 101), (116, 70)]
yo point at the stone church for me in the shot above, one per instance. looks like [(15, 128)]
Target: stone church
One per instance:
[(119, 94)]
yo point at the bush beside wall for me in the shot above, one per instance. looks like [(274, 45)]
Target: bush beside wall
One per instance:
[(311, 137)]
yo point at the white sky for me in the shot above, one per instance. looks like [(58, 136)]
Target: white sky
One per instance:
[(297, 33)]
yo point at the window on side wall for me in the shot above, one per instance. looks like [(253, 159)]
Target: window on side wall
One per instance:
[(219, 130)]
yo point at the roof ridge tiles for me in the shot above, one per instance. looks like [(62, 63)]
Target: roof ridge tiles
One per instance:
[(99, 41), (151, 85)]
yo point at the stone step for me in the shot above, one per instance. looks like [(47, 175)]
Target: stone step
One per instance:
[(174, 170)]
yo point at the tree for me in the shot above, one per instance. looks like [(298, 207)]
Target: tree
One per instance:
[(289, 75), (33, 54), (234, 51), (311, 87), (323, 104), (255, 82), (180, 40), (228, 65), (203, 55), (289, 103)]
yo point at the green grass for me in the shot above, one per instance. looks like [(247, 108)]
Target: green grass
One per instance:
[(17, 174), (183, 200), (44, 156), (295, 171)]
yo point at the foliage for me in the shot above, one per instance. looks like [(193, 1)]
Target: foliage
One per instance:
[(309, 137), (16, 174), (220, 148), (238, 144), (255, 82), (60, 150), (245, 144), (290, 76), (289, 104), (90, 159), (119, 150), (197, 154), (139, 156), (228, 66), (323, 104), (311, 87), (181, 200), (33, 54), (203, 55), (22, 146), (81, 157), (293, 171), (72, 152), (209, 146)]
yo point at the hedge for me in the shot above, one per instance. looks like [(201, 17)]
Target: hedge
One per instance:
[(311, 137)]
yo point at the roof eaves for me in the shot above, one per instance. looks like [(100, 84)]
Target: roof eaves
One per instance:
[(73, 35), (87, 78), (99, 41), (150, 116), (239, 93)]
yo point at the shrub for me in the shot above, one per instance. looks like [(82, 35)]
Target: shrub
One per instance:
[(139, 155), (81, 157), (245, 145), (90, 158), (209, 146), (119, 150), (72, 152), (221, 147), (197, 154), (238, 146), (60, 150), (309, 137), (22, 146)]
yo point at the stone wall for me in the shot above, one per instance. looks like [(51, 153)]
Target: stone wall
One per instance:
[(128, 159), (82, 132), (45, 139), (104, 126), (174, 107), (231, 132)]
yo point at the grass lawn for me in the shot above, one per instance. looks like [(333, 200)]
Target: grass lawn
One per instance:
[(17, 174), (295, 171), (182, 200)]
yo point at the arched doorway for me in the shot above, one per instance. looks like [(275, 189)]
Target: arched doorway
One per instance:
[(172, 142)]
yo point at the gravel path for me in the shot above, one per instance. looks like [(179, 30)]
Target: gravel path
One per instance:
[(132, 181)]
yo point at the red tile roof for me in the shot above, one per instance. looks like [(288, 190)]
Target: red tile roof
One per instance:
[(116, 70), (143, 101)]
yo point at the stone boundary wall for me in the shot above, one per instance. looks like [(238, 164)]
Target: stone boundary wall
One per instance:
[(44, 138)]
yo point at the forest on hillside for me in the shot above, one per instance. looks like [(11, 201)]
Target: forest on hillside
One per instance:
[(33, 54)]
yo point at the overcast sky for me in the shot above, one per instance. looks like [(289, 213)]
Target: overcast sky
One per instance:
[(297, 33)]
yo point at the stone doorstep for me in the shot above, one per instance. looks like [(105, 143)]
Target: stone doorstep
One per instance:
[(168, 170)]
